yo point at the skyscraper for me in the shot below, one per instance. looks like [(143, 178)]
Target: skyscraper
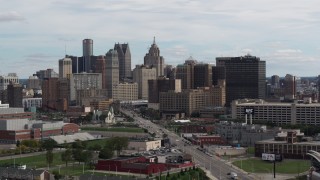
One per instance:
[(141, 75), (14, 95), (162, 84), (101, 68), (112, 71), (202, 75), (275, 81), (87, 45), (185, 72), (289, 87), (245, 77), (65, 68), (153, 59), (124, 56)]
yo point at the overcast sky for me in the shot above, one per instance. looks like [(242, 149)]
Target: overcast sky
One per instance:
[(35, 34)]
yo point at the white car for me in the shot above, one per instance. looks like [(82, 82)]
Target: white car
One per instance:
[(233, 175)]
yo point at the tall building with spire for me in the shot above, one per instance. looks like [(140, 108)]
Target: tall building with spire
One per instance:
[(124, 56), (153, 59)]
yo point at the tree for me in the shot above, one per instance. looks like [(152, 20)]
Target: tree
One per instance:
[(77, 154), (86, 156), (49, 157), (106, 153), (66, 156), (48, 144)]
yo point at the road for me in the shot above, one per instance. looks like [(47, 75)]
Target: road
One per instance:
[(218, 168)]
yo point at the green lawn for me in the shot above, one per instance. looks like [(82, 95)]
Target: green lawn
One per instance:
[(287, 166), (114, 129), (100, 142), (250, 150), (34, 161)]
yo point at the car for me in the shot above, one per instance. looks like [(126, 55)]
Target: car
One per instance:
[(232, 175)]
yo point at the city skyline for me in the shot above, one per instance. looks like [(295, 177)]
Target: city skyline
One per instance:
[(36, 34)]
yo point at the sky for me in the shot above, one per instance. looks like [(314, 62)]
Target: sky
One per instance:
[(35, 34)]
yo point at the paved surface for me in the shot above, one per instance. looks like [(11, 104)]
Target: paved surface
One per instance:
[(217, 168)]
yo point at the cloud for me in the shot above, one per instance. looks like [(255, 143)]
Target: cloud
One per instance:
[(11, 16)]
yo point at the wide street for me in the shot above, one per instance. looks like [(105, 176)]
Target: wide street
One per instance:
[(217, 167)]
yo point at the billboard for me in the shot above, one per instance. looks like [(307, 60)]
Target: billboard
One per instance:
[(268, 157), (248, 110)]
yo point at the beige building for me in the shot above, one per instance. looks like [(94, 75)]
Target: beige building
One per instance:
[(141, 75), (65, 68), (278, 113), (125, 92), (190, 101), (144, 145), (85, 85)]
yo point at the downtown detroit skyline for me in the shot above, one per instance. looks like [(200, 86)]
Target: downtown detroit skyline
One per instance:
[(35, 34)]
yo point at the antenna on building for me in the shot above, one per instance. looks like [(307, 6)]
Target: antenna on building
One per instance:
[(154, 40)]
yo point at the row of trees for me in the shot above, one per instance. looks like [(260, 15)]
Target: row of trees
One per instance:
[(115, 144)]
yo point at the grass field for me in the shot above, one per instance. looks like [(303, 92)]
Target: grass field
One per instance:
[(287, 166), (34, 161), (114, 129), (192, 174), (100, 142), (250, 150)]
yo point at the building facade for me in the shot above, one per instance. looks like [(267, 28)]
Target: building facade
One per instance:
[(141, 75), (125, 92), (161, 84), (32, 102), (124, 56), (112, 71), (33, 82), (189, 101), (14, 95), (245, 77), (5, 80), (278, 113), (87, 45), (65, 68), (202, 75)]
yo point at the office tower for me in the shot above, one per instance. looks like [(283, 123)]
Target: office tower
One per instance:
[(245, 77), (84, 81), (185, 72), (289, 87), (112, 71), (14, 95), (169, 72), (153, 59), (65, 68), (49, 93), (318, 85), (141, 75), (5, 80), (218, 74), (77, 64), (33, 82), (63, 88), (202, 75), (45, 74), (173, 104), (275, 81), (87, 45), (161, 84), (125, 92), (124, 56), (102, 69)]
